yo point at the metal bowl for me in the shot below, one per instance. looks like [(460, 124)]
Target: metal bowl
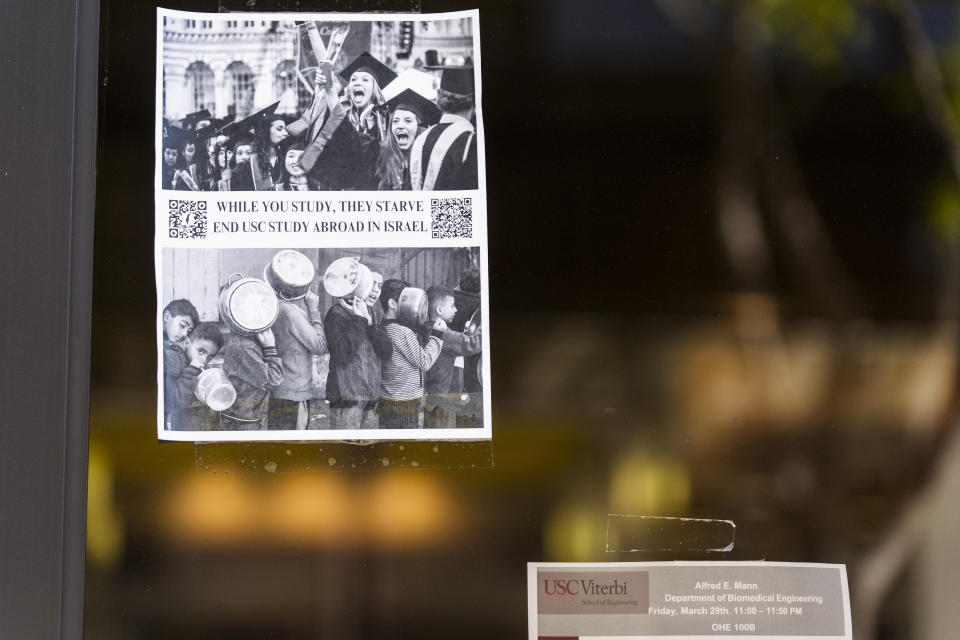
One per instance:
[(473, 324), (413, 306), (342, 277), (290, 274), (248, 305)]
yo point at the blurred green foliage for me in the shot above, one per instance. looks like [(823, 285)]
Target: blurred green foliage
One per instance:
[(943, 208), (950, 63), (814, 29)]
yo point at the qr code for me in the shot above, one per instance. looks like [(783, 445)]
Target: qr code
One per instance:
[(451, 217), (188, 219)]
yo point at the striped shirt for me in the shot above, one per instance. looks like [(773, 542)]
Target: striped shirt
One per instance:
[(402, 372)]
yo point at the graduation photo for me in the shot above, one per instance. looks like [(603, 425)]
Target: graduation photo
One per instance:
[(351, 105)]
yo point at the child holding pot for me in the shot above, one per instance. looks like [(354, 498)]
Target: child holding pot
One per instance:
[(254, 368), (178, 319), (250, 307), (357, 347), (401, 386), (300, 337), (443, 401), (186, 412)]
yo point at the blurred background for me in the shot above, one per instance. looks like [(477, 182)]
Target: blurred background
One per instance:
[(724, 268)]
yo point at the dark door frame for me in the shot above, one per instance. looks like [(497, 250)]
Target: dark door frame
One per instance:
[(48, 73)]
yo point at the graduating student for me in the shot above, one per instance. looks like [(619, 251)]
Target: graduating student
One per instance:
[(410, 115), (343, 136), (221, 171), (242, 172), (205, 165), (172, 138), (251, 170), (445, 156), (292, 175), (227, 136), (185, 174), (197, 120), (206, 170), (271, 133)]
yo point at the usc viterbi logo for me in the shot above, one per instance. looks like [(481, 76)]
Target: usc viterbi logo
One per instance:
[(557, 587)]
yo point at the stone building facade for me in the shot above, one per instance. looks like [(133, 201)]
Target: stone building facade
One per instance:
[(236, 66), (232, 66)]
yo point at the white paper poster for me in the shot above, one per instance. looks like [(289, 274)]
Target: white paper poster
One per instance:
[(321, 245)]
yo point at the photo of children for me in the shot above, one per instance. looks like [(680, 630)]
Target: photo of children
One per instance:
[(305, 105), (318, 341)]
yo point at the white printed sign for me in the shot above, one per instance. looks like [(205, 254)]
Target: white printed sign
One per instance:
[(630, 600), (321, 245)]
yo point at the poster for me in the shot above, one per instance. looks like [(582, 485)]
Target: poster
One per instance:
[(321, 248)]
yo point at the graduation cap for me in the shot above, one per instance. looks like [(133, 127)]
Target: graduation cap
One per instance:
[(244, 126), (457, 80), (225, 126), (420, 81), (191, 120), (172, 136), (257, 119), (228, 129), (239, 138), (366, 62), (206, 132), (409, 100)]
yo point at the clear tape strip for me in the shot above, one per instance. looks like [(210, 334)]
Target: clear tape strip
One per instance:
[(633, 533)]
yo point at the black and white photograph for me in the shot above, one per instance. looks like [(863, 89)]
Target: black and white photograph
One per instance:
[(337, 104), (322, 343), (320, 315)]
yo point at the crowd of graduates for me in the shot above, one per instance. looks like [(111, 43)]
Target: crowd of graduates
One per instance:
[(366, 129)]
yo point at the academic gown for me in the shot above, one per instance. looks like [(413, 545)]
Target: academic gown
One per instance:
[(348, 162), (441, 161)]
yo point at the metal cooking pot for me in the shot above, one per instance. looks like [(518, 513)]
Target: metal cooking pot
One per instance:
[(248, 305), (215, 390), (290, 274), (413, 306), (342, 276), (365, 284)]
